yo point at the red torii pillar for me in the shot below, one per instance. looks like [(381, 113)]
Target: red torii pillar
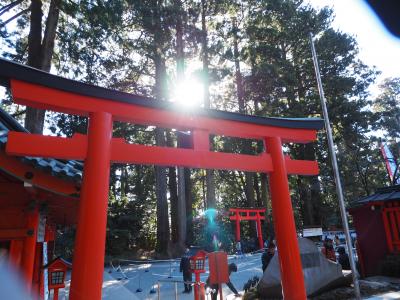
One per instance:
[(98, 149), (285, 228), (92, 218), (238, 216)]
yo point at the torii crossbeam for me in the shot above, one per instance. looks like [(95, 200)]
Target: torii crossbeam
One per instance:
[(98, 149)]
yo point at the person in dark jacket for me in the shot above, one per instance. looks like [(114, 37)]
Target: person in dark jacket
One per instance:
[(185, 269), (267, 255), (215, 287), (343, 259)]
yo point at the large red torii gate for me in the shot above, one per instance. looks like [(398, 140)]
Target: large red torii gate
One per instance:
[(98, 149), (248, 214)]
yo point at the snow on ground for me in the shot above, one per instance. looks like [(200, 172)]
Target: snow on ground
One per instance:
[(148, 276)]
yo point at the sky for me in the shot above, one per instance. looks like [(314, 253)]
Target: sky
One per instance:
[(378, 47)]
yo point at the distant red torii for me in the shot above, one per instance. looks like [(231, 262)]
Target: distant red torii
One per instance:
[(248, 214)]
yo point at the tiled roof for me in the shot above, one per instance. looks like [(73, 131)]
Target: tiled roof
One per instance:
[(65, 169), (383, 194)]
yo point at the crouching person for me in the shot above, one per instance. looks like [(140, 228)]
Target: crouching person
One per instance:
[(215, 287)]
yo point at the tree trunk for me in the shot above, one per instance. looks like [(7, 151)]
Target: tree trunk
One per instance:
[(204, 50), (35, 35), (162, 204), (264, 191), (210, 192), (50, 35), (259, 202), (249, 177), (40, 53), (189, 208), (305, 198), (249, 189), (34, 118), (210, 176), (314, 185), (161, 182), (238, 74), (316, 199), (173, 196), (180, 58), (183, 174)]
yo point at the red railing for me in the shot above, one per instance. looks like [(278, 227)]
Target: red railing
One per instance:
[(391, 221)]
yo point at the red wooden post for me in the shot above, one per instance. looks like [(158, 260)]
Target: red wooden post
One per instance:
[(395, 232), (28, 254), (397, 213), (37, 269), (285, 229), (16, 248), (88, 262), (259, 230), (387, 230), (55, 295)]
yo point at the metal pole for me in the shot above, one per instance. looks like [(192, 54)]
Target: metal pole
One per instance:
[(158, 290), (176, 290), (339, 190)]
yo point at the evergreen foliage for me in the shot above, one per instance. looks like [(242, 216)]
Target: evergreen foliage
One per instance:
[(253, 57)]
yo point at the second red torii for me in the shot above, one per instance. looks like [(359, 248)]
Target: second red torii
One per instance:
[(248, 214)]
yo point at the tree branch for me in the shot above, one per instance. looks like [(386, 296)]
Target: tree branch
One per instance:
[(14, 17), (7, 7)]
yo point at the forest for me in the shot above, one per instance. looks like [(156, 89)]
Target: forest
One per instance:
[(247, 56)]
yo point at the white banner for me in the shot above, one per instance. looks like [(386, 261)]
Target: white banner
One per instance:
[(312, 232)]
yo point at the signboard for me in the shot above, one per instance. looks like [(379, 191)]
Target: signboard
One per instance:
[(312, 232), (218, 267)]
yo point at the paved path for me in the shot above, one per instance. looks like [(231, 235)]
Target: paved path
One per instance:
[(147, 277), (113, 289), (386, 296), (160, 276)]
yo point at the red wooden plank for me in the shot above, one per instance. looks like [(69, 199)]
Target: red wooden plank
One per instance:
[(395, 230), (165, 156), (25, 144), (395, 220), (52, 99), (389, 239), (301, 167), (8, 234)]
